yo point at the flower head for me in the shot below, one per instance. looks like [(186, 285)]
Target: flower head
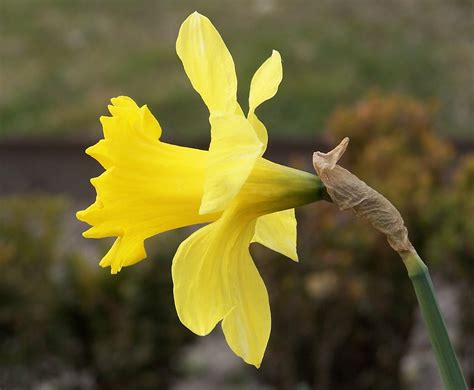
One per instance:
[(149, 187)]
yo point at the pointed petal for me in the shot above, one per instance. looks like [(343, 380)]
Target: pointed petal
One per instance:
[(265, 82), (247, 327), (215, 278), (232, 154), (199, 272), (277, 231), (208, 63), (264, 86)]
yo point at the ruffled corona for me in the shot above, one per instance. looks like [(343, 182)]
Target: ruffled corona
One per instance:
[(150, 187)]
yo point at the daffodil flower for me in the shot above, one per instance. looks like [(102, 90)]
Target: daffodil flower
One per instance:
[(149, 187)]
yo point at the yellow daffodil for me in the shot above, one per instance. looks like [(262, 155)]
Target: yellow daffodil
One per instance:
[(149, 187)]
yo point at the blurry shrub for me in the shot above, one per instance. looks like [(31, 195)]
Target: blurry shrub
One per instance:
[(394, 148), (342, 320), (461, 253), (452, 246), (61, 317), (28, 233)]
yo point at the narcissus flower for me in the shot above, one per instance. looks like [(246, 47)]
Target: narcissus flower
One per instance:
[(149, 187)]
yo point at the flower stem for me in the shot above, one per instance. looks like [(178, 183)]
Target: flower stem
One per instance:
[(348, 192), (448, 365)]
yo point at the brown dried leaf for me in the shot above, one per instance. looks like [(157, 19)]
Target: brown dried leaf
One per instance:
[(347, 191)]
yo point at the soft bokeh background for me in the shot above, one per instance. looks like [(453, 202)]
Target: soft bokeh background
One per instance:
[(395, 76)]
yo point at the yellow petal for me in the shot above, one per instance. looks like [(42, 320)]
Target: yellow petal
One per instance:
[(200, 293), (259, 129), (264, 86), (208, 63), (148, 186), (265, 81), (277, 231), (247, 327), (215, 278), (232, 154)]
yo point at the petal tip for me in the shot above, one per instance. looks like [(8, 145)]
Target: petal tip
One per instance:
[(293, 252), (194, 18)]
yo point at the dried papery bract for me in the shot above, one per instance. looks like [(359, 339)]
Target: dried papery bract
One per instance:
[(348, 192)]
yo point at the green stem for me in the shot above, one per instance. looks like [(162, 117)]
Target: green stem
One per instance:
[(448, 365)]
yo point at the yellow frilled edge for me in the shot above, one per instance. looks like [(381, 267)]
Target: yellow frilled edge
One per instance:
[(149, 187)]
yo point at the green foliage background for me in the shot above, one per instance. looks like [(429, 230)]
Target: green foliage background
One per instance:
[(63, 60)]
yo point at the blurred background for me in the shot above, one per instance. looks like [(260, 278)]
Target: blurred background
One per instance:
[(396, 76)]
